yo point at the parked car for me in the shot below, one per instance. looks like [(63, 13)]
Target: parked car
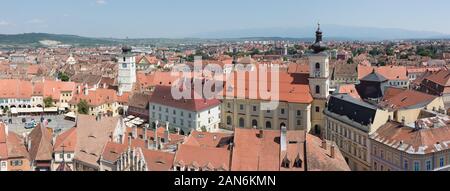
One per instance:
[(30, 125)]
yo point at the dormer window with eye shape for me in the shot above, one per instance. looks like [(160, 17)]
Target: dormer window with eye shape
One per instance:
[(298, 162), (286, 163)]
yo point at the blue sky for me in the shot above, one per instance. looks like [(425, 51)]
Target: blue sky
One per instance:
[(183, 18)]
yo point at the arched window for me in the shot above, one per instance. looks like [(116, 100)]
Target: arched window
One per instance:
[(254, 123), (317, 66), (228, 120), (241, 122), (268, 125), (317, 89)]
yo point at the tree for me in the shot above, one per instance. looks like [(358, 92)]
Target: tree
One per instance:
[(5, 110), (48, 102), (63, 77), (83, 107)]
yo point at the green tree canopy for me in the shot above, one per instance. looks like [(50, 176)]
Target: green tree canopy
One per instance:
[(48, 102), (63, 77), (83, 107)]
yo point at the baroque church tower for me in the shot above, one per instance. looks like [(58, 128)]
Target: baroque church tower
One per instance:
[(319, 81)]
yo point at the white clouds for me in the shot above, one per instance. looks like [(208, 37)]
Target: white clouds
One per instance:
[(101, 2), (4, 23), (36, 21)]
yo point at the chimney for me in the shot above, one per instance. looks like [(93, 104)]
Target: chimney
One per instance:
[(104, 85), (283, 139), (147, 144), (155, 137), (144, 136), (324, 144), (86, 89), (166, 133), (111, 137), (78, 89), (129, 141), (261, 133), (332, 151), (134, 132)]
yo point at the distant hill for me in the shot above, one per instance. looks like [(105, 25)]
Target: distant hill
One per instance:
[(330, 32), (43, 39)]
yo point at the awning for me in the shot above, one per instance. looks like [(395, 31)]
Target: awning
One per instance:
[(26, 110), (51, 109), (71, 115)]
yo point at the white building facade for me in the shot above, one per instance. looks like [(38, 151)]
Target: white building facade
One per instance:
[(186, 120), (127, 70)]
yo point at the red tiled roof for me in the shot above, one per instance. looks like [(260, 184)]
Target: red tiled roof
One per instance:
[(41, 144), (205, 139), (158, 160), (96, 97), (389, 72), (201, 157), (441, 77), (67, 140), (405, 99), (163, 96), (413, 141), (349, 89)]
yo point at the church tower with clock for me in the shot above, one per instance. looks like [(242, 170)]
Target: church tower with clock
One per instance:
[(319, 81)]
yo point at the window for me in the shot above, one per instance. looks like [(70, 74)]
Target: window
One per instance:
[(282, 111), (405, 165), (228, 120), (124, 59), (417, 166), (190, 115), (268, 125), (317, 109), (241, 122), (61, 156), (299, 113), (299, 122), (68, 156), (317, 89), (428, 164), (241, 107), (254, 108), (254, 123), (317, 66), (228, 105), (375, 166), (441, 162), (124, 65)]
